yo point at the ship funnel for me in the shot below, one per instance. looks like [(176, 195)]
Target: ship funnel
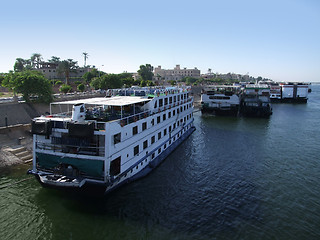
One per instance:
[(78, 112)]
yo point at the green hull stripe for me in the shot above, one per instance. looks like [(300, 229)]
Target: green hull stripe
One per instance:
[(89, 167)]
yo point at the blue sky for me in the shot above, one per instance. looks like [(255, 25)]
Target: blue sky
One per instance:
[(277, 39)]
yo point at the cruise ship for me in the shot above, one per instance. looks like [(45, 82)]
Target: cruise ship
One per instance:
[(220, 100), (255, 101), (103, 143)]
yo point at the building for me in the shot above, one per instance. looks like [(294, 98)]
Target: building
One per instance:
[(50, 71), (175, 74)]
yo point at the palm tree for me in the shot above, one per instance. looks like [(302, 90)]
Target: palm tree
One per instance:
[(67, 66), (36, 59), (85, 55)]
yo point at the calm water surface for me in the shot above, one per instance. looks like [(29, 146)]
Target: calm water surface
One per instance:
[(231, 179)]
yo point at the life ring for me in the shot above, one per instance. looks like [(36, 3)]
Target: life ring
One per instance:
[(122, 123)]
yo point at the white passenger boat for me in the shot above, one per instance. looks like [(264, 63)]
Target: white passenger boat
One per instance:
[(294, 92), (255, 101), (106, 142), (220, 99)]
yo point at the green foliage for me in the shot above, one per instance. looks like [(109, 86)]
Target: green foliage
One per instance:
[(95, 83), (81, 87), (66, 67), (143, 83), (88, 76), (65, 88), (31, 84), (2, 76), (58, 82), (146, 72), (110, 81), (150, 83), (172, 82), (77, 82), (189, 80)]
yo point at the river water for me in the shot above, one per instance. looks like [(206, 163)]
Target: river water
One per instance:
[(233, 178)]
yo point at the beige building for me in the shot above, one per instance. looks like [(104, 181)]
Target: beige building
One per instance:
[(175, 74), (50, 71)]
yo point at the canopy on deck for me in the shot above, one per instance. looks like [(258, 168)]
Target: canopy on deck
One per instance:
[(112, 101)]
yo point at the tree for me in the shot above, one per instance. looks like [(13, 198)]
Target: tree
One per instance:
[(81, 87), (172, 82), (146, 72), (66, 67), (110, 81), (85, 56), (65, 88), (31, 84), (95, 83), (54, 59), (143, 83), (150, 83), (22, 64), (88, 76), (36, 59)]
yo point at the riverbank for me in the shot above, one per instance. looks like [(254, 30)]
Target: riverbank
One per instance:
[(15, 145)]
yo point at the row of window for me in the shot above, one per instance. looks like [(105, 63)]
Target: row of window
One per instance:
[(171, 99), (161, 134), (169, 114), (115, 164)]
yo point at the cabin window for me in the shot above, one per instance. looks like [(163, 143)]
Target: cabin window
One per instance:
[(158, 119), (170, 100), (135, 130), (115, 166), (170, 129), (145, 144), (165, 146), (177, 110), (116, 138), (159, 150), (164, 117), (153, 139), (174, 98), (166, 101), (152, 122), (160, 102), (155, 104), (159, 135), (164, 132), (153, 155), (169, 115), (174, 125), (174, 112), (144, 126), (136, 150), (178, 98)]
